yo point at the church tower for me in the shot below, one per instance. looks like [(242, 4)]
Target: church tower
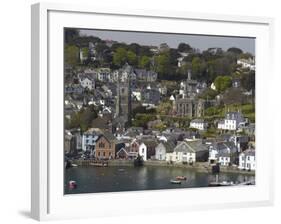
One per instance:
[(123, 100)]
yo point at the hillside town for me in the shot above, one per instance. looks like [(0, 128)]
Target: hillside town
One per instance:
[(120, 108)]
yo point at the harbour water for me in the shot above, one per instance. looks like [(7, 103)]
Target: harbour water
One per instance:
[(116, 178)]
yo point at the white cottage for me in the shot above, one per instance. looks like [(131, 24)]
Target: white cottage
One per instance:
[(143, 151), (247, 160), (162, 149), (232, 121), (89, 139), (87, 82), (199, 124), (182, 153)]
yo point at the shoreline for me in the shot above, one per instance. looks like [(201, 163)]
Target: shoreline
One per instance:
[(202, 167)]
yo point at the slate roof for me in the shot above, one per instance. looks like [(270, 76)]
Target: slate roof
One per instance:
[(110, 137), (184, 147), (198, 146), (169, 146)]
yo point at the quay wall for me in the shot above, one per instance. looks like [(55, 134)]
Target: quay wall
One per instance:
[(202, 167)]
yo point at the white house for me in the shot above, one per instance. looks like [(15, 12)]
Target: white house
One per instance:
[(247, 160), (143, 151), (232, 121), (89, 139), (213, 154), (162, 148), (221, 152), (182, 153), (247, 63), (224, 158), (86, 82), (103, 74), (199, 124)]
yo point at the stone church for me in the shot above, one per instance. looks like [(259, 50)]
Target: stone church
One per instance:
[(187, 102)]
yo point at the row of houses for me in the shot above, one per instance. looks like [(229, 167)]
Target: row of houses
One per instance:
[(107, 75), (233, 121), (103, 145)]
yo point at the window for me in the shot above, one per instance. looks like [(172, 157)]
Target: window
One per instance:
[(101, 145), (103, 153)]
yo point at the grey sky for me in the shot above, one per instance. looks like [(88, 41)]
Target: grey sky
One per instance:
[(196, 41)]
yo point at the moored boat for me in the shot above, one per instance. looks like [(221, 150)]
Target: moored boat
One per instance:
[(175, 181), (72, 184)]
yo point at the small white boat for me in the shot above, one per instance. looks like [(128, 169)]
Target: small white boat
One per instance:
[(175, 181), (74, 165)]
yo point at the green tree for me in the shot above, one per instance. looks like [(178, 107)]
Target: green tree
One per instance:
[(198, 66), (83, 119), (183, 47), (222, 83), (248, 80), (164, 108), (132, 58), (71, 54), (163, 64), (120, 56), (144, 62), (235, 50)]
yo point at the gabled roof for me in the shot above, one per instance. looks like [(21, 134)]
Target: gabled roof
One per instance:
[(95, 131), (169, 146), (197, 146), (124, 150), (150, 143), (184, 147), (109, 137)]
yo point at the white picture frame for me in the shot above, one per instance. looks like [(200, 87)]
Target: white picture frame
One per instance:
[(48, 201)]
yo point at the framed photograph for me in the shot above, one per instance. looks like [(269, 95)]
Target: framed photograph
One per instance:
[(161, 111)]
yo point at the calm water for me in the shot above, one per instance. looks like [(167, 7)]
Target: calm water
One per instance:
[(109, 179)]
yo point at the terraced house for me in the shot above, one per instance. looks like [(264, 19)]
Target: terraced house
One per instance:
[(105, 146)]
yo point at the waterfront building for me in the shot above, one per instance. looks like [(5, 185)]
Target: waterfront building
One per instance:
[(162, 148), (247, 160), (89, 139), (105, 146), (182, 153), (225, 153)]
